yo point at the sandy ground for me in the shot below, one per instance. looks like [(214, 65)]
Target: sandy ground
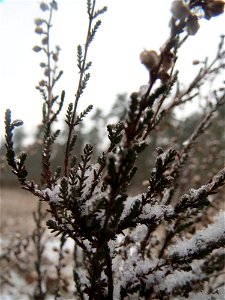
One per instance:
[(17, 207)]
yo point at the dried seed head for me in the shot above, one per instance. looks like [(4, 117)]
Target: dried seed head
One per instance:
[(192, 25), (179, 10), (150, 59), (213, 8)]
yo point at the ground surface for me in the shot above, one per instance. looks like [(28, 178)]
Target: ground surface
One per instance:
[(17, 264), (17, 206)]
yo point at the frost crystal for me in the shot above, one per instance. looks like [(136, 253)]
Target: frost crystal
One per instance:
[(53, 194), (218, 295), (177, 279), (156, 211), (139, 233), (89, 174), (135, 266), (128, 205)]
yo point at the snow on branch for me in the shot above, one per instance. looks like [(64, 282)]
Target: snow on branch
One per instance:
[(195, 198), (156, 211), (217, 295), (203, 242)]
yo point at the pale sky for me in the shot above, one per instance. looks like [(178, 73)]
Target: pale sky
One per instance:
[(128, 27)]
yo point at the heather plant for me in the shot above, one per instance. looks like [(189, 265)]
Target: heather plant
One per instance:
[(153, 245)]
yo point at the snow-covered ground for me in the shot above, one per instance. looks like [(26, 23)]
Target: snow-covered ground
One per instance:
[(18, 275)]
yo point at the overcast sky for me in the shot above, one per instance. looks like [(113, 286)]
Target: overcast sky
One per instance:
[(128, 27)]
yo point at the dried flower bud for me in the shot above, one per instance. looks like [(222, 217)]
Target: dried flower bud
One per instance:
[(17, 123), (37, 49), (179, 10), (196, 62), (54, 5), (150, 59), (44, 6), (192, 25), (57, 48), (213, 8), (44, 41), (55, 56), (42, 65), (38, 30), (47, 72), (42, 83), (38, 22)]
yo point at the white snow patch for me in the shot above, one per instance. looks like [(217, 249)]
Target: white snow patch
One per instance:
[(218, 295), (177, 279), (139, 233), (90, 177), (52, 193), (213, 233), (157, 211), (128, 205)]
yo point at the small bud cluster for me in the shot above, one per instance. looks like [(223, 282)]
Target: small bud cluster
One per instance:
[(213, 8), (187, 13), (150, 59), (43, 26), (185, 16), (179, 10), (159, 63)]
